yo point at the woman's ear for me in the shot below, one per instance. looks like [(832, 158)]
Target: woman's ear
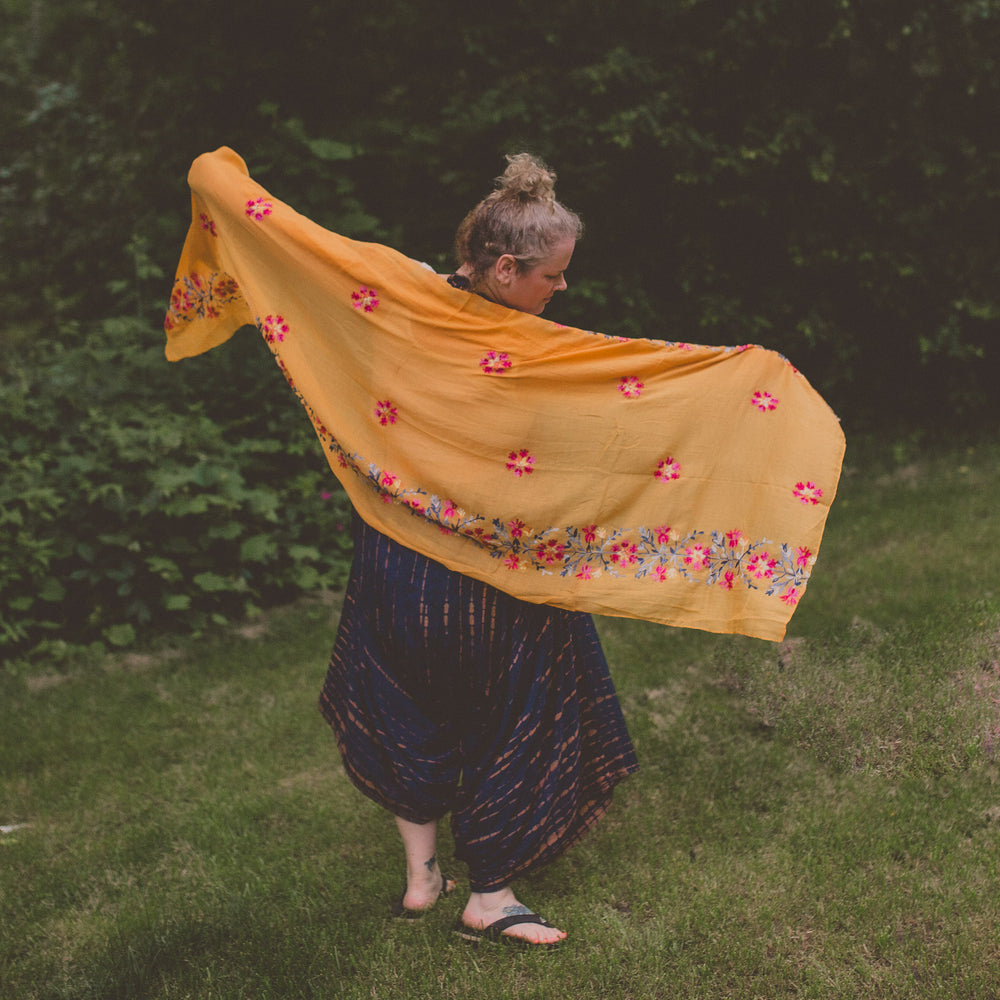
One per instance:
[(505, 268)]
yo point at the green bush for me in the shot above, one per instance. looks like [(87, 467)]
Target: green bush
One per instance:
[(132, 510)]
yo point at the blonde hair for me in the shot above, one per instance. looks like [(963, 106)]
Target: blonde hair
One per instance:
[(521, 217)]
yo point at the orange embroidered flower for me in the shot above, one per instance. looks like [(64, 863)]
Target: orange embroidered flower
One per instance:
[(259, 208), (385, 412), (521, 463), (630, 387), (764, 401), (365, 298), (667, 470), (807, 493)]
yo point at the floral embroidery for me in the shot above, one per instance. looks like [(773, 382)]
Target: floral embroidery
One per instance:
[(207, 224), (764, 401), (630, 387), (696, 557), (624, 554), (199, 296), (386, 412), (494, 362), (365, 298), (273, 329), (807, 493), (550, 552), (449, 510), (521, 463), (259, 208), (668, 469), (761, 565), (725, 558)]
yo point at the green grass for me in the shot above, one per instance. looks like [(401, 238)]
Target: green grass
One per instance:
[(817, 818)]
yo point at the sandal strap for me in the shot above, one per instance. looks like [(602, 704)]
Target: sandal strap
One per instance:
[(496, 929)]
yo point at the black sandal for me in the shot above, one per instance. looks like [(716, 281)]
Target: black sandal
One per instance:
[(495, 932)]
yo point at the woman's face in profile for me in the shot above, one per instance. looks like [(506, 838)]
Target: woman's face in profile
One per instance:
[(530, 291)]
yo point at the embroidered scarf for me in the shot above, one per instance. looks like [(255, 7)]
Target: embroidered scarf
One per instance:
[(675, 482)]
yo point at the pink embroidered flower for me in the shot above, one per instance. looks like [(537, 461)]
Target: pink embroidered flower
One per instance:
[(696, 557), (258, 208), (225, 288), (733, 538), (208, 225), (663, 534), (761, 565), (807, 493), (416, 505), (480, 535), (388, 480), (550, 552), (668, 469), (494, 362), (802, 556), (727, 580), (450, 509), (521, 463), (385, 412), (365, 298), (590, 535), (661, 573), (512, 562), (517, 527), (274, 329), (791, 598), (764, 401), (624, 553), (586, 572), (630, 387)]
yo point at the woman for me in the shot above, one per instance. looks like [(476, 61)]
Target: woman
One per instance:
[(447, 695), (691, 488)]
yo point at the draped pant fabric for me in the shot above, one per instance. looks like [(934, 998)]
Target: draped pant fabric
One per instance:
[(447, 695)]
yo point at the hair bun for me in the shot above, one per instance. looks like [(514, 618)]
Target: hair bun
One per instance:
[(527, 177)]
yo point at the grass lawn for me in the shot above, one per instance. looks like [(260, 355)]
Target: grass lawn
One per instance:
[(816, 818)]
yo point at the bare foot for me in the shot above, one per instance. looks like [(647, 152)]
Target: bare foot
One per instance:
[(485, 908), (424, 886)]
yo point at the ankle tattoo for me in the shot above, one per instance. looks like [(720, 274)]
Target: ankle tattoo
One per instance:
[(429, 865)]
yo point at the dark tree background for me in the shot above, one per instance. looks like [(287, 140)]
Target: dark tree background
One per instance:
[(821, 178)]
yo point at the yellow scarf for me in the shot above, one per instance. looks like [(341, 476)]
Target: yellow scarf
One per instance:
[(675, 482)]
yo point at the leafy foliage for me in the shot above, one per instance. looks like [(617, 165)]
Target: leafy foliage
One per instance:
[(820, 178), (130, 515)]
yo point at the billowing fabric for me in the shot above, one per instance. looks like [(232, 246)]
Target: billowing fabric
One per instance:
[(447, 695), (680, 483)]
